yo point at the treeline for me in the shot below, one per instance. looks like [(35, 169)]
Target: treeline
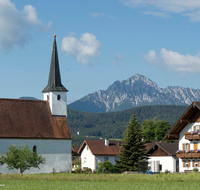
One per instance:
[(113, 124)]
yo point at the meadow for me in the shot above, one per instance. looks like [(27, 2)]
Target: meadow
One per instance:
[(100, 181)]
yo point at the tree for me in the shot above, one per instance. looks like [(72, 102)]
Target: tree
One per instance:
[(133, 149), (161, 128), (154, 130), (148, 130), (22, 158)]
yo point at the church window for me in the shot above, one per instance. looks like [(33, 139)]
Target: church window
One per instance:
[(35, 148), (58, 97)]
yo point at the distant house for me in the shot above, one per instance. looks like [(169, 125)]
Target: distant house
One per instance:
[(41, 124), (95, 151), (187, 131), (162, 156)]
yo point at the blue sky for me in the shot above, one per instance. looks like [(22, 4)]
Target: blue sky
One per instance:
[(99, 42)]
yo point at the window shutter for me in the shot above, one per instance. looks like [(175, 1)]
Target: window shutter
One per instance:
[(198, 163), (183, 146), (183, 163), (188, 146), (188, 163), (192, 163), (194, 128)]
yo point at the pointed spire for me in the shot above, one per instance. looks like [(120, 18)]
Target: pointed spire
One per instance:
[(54, 82)]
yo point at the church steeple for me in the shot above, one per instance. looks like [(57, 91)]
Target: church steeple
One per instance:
[(54, 82), (55, 92)]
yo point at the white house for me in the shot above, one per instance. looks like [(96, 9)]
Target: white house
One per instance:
[(162, 156), (95, 151), (42, 125), (186, 131)]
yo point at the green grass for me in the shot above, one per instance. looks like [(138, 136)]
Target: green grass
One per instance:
[(95, 181)]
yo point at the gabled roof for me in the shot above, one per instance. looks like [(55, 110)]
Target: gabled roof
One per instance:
[(187, 117), (97, 147), (54, 82), (169, 148), (31, 119)]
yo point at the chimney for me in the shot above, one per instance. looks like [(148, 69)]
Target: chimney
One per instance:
[(106, 142)]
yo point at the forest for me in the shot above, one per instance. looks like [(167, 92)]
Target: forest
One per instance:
[(112, 125)]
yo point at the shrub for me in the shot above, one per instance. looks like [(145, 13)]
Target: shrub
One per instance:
[(106, 167), (195, 170)]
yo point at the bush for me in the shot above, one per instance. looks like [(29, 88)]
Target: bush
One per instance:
[(87, 170), (106, 167), (195, 170), (167, 172)]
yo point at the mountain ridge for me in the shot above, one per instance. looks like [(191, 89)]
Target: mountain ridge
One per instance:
[(137, 90)]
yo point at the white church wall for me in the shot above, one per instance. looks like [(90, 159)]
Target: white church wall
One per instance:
[(58, 107), (57, 154)]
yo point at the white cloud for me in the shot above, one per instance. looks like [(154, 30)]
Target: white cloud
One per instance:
[(83, 49), (175, 61), (158, 14), (118, 59), (97, 14), (188, 8), (16, 26)]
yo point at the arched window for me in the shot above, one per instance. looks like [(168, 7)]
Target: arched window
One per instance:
[(35, 148), (58, 97)]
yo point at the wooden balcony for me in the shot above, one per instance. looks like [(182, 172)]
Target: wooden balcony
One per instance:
[(191, 137), (191, 154)]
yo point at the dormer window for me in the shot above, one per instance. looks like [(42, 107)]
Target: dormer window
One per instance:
[(58, 97), (35, 149)]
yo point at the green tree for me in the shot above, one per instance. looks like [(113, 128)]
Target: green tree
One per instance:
[(154, 130), (133, 149), (148, 130), (161, 128), (22, 158)]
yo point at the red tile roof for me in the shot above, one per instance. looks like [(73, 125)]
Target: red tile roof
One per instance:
[(97, 147), (30, 119)]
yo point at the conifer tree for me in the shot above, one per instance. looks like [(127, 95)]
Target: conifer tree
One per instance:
[(133, 149)]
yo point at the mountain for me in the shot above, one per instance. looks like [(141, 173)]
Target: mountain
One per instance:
[(112, 125), (136, 91)]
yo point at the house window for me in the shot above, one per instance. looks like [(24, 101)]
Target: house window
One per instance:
[(47, 97), (35, 149), (197, 128), (105, 158), (186, 146), (58, 97), (195, 163), (160, 167), (186, 163), (87, 147)]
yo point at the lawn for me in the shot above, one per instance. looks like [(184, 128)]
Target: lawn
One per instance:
[(103, 181)]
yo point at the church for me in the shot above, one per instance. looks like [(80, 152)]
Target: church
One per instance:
[(41, 124)]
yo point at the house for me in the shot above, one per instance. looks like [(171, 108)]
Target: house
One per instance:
[(186, 131), (162, 156), (95, 151), (41, 124)]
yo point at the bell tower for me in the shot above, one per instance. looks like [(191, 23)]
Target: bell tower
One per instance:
[(55, 93)]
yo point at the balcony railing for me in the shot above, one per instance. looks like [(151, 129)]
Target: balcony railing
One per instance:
[(192, 136), (192, 154)]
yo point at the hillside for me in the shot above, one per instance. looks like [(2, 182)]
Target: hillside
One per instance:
[(136, 91), (113, 124)]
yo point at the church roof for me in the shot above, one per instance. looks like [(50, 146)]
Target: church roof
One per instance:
[(54, 82), (31, 119)]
